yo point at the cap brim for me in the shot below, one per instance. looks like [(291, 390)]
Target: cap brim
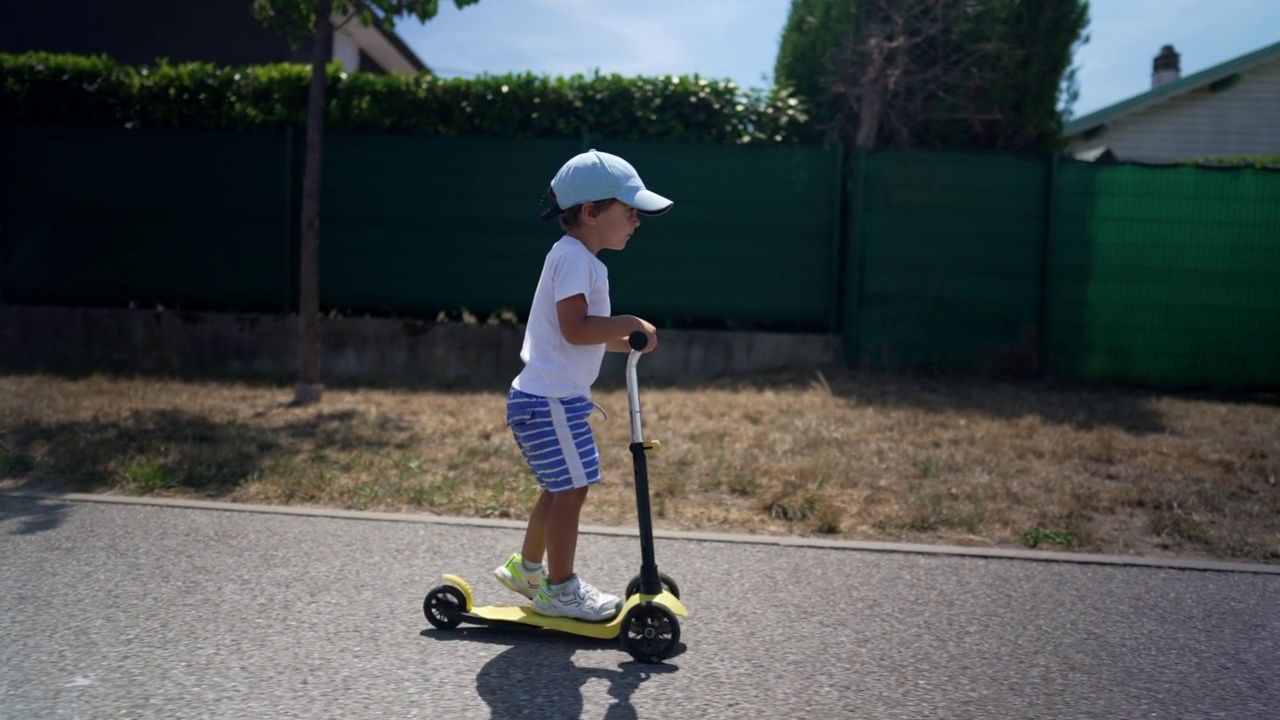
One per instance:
[(648, 202)]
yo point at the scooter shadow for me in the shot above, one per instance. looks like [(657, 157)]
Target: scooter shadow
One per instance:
[(536, 675)]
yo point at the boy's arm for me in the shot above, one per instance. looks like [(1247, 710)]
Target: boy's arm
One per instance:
[(619, 345), (579, 328)]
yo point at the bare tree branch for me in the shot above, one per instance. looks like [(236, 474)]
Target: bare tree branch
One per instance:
[(910, 66)]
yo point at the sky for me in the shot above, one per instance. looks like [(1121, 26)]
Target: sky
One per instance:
[(738, 39)]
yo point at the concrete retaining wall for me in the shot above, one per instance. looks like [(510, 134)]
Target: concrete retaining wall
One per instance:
[(354, 349)]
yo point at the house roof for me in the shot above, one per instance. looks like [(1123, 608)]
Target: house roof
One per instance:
[(377, 40), (1173, 89)]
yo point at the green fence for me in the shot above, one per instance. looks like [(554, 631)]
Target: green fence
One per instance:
[(1166, 276), (111, 217), (949, 251), (415, 225), (412, 225)]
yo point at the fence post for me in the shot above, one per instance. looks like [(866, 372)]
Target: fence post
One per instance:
[(1046, 249), (838, 259), (5, 187), (851, 340), (293, 164), (288, 220)]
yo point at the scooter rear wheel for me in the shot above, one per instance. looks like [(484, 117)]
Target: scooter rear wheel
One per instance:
[(444, 606), (650, 632), (668, 584)]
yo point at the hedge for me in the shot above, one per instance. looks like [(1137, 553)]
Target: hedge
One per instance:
[(48, 88)]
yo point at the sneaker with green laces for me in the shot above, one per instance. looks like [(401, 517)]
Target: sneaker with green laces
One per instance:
[(518, 577)]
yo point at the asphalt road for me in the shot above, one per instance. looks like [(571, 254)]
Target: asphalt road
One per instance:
[(131, 611)]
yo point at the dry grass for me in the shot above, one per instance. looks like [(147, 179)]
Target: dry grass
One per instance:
[(860, 457)]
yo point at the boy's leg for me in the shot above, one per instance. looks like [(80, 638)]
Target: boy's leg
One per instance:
[(563, 593), (524, 573), (535, 534), (562, 532)]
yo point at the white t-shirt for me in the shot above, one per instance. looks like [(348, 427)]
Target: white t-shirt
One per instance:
[(552, 366)]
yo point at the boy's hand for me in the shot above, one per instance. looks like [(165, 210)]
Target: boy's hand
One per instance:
[(647, 328)]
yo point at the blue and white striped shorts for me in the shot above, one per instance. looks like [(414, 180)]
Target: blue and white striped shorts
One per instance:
[(555, 438)]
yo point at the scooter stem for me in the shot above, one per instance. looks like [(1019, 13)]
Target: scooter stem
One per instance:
[(650, 580)]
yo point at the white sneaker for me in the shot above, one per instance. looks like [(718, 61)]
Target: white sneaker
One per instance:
[(576, 599), (516, 578)]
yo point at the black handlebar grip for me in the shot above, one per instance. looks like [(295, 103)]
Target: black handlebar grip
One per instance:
[(638, 340)]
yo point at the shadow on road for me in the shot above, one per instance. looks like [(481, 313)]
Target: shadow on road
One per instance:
[(536, 675), (157, 450), (28, 516)]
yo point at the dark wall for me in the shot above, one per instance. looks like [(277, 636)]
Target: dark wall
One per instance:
[(140, 31)]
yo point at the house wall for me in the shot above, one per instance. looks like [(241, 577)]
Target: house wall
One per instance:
[(346, 51), (1243, 119), (140, 31)]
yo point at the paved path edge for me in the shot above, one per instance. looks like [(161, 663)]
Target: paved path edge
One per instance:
[(1204, 565)]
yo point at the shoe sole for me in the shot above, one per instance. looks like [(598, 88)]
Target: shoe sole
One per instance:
[(579, 618), (569, 616)]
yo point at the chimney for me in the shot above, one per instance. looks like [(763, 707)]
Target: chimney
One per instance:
[(1166, 68)]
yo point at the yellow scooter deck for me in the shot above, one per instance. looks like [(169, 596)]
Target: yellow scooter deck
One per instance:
[(525, 615)]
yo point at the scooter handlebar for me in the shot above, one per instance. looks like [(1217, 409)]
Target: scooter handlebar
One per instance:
[(638, 340)]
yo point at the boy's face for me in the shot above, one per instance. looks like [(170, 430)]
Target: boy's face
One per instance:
[(616, 224)]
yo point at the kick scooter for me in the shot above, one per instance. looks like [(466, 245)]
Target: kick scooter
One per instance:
[(646, 625)]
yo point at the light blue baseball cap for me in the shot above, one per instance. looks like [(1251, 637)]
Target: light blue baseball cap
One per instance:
[(596, 175)]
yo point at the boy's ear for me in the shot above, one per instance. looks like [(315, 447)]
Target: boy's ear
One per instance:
[(589, 213)]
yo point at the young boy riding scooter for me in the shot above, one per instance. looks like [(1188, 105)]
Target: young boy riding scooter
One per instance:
[(598, 198)]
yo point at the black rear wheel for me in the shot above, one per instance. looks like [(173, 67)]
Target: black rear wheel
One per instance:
[(444, 606)]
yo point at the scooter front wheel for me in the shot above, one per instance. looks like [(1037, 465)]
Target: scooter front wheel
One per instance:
[(668, 584), (444, 606), (650, 632)]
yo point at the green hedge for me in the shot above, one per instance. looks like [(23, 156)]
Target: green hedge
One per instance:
[(1261, 162), (49, 88)]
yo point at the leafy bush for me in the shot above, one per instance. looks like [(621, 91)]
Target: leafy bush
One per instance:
[(46, 88), (1261, 162), (69, 89)]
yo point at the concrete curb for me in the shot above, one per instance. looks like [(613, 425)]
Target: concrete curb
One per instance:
[(782, 541)]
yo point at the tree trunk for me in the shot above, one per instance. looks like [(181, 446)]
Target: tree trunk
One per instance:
[(309, 388), (872, 91), (869, 117)]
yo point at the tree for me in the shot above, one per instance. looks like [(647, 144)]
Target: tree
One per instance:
[(989, 74), (814, 30), (314, 18)]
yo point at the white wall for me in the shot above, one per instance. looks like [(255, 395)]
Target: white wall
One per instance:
[(346, 50)]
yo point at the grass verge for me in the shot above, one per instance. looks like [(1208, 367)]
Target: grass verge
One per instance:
[(854, 456)]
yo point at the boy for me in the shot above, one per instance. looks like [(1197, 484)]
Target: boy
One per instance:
[(598, 198)]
